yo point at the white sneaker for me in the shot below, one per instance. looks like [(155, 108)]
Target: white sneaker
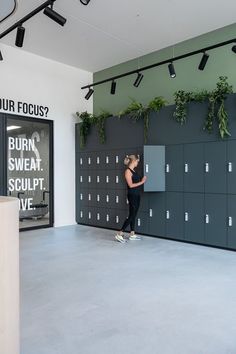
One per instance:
[(134, 238), (120, 238)]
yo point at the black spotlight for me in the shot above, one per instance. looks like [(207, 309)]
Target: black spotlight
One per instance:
[(113, 87), (138, 79), (85, 2), (172, 70), (89, 94), (203, 61), (1, 58), (234, 48), (20, 36), (55, 16)]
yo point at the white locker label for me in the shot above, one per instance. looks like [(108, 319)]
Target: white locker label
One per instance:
[(89, 179), (107, 218), (206, 167), (117, 179), (107, 179), (117, 219), (117, 159), (139, 222), (98, 216), (186, 216), (81, 161), (186, 168), (230, 221), (81, 179), (230, 167), (150, 213), (107, 198), (89, 160), (167, 214), (89, 196), (117, 199), (81, 196), (146, 168), (98, 160), (167, 168), (89, 215), (98, 198), (107, 159), (98, 179), (207, 219), (81, 214)]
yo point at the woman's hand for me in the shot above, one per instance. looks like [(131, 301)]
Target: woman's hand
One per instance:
[(144, 179)]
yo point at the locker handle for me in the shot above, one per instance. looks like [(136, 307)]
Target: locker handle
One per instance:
[(89, 161), (230, 167), (146, 168), (186, 167), (230, 221), (81, 161), (206, 167), (207, 219), (150, 213), (186, 216), (167, 214), (117, 179), (117, 159), (167, 168), (98, 160), (117, 199), (139, 222), (107, 218)]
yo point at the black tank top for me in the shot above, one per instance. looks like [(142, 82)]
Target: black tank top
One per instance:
[(135, 179)]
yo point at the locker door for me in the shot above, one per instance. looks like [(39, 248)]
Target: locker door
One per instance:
[(119, 199), (119, 157), (81, 160), (102, 193), (194, 217), (231, 166), (99, 162), (82, 215), (174, 168), (174, 216), (157, 209), (154, 168), (231, 222), (82, 197), (144, 202), (100, 178), (215, 220), (91, 216), (82, 179), (91, 198), (215, 167), (109, 160), (142, 222), (118, 218), (194, 168)]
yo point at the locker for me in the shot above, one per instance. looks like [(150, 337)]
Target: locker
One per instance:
[(91, 216), (174, 215), (194, 217), (82, 179), (120, 199), (119, 159), (144, 202), (82, 198), (80, 161), (231, 166), (82, 215), (102, 193), (142, 222), (215, 167), (194, 168), (117, 219), (91, 198), (100, 178), (154, 168), (100, 217), (109, 160), (231, 222), (99, 162), (215, 220), (174, 168), (157, 209)]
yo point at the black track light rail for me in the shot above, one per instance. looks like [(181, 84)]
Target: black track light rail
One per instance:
[(170, 60), (27, 17)]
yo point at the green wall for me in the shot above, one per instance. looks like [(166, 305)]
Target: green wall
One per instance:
[(156, 82)]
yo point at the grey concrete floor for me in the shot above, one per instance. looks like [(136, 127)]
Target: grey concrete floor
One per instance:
[(84, 293)]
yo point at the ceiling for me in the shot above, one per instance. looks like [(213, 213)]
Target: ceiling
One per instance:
[(109, 32)]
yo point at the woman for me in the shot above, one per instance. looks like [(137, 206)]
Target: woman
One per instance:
[(134, 183)]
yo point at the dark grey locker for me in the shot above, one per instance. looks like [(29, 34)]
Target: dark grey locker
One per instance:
[(194, 168), (119, 156), (82, 198), (98, 160), (81, 161), (91, 198), (99, 178), (117, 219), (231, 222), (194, 217), (231, 167), (157, 214), (144, 202), (174, 216), (142, 222), (215, 220), (92, 216), (82, 178), (154, 168), (174, 168), (109, 160), (215, 167), (119, 199), (82, 215)]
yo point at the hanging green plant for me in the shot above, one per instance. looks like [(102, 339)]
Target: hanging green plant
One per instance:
[(85, 126), (100, 122), (216, 110)]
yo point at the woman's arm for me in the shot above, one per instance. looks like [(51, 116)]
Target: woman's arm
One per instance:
[(128, 177)]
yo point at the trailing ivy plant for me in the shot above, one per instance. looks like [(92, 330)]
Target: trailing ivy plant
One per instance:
[(85, 126), (216, 105), (100, 122), (137, 111)]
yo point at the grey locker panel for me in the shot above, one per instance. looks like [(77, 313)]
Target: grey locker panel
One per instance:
[(142, 222), (231, 222), (154, 168), (231, 166), (174, 168), (157, 209), (194, 168), (144, 202), (215, 157), (174, 216), (194, 217), (215, 226), (82, 215)]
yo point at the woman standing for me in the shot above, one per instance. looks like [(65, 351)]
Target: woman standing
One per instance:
[(134, 183)]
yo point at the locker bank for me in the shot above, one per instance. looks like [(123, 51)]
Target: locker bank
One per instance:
[(84, 103)]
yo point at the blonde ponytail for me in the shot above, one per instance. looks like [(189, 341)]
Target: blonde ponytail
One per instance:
[(130, 158)]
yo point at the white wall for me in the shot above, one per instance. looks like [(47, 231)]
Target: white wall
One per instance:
[(29, 78)]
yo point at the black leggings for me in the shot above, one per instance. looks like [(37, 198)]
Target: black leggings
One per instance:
[(134, 201)]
